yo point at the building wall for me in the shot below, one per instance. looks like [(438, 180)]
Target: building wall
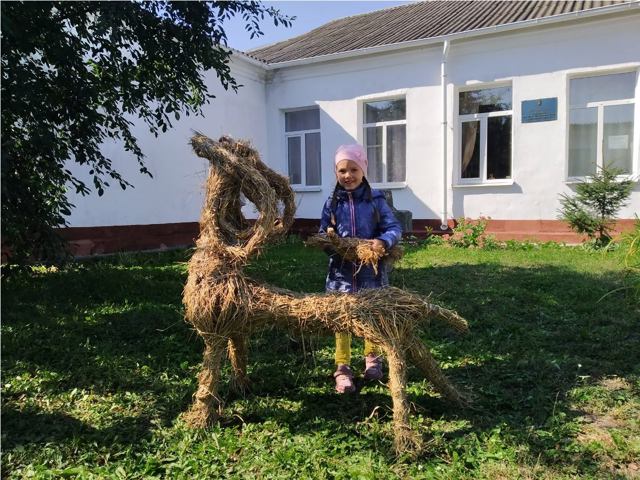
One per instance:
[(537, 63), (175, 193), (339, 89)]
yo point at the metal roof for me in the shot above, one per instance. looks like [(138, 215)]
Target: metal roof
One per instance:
[(416, 21)]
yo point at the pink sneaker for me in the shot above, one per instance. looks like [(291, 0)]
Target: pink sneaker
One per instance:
[(373, 367), (344, 379)]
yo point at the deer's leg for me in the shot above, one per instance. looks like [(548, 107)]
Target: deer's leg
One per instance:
[(422, 358), (405, 439), (207, 404), (237, 350)]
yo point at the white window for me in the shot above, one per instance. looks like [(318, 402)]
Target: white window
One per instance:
[(385, 138), (302, 134), (485, 129), (601, 110)]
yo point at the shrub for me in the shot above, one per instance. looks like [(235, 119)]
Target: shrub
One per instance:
[(592, 210), (468, 233), (490, 242), (432, 238)]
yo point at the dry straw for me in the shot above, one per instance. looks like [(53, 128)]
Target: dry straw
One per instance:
[(224, 306), (356, 250)]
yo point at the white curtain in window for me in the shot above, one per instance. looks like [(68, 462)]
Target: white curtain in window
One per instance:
[(396, 153), (374, 154), (312, 158), (583, 140), (618, 136), (602, 88), (295, 161)]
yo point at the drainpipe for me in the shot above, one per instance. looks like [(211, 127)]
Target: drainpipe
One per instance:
[(443, 78)]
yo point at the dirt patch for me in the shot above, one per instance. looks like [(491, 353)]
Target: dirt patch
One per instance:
[(630, 471), (615, 383), (603, 421)]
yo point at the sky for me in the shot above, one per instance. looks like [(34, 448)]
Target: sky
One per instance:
[(309, 15)]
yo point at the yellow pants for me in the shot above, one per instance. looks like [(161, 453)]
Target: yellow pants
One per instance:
[(343, 348)]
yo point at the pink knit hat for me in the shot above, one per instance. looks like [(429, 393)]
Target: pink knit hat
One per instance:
[(353, 152)]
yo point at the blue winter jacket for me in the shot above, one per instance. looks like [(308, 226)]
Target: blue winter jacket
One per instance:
[(355, 216)]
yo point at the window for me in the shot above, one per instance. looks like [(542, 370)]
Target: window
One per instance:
[(485, 135), (302, 133), (385, 138), (601, 110)]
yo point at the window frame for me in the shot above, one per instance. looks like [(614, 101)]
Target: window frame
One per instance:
[(483, 118), (363, 126), (303, 153), (600, 105)]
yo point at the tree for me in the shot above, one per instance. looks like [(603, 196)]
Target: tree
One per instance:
[(74, 74), (592, 210)]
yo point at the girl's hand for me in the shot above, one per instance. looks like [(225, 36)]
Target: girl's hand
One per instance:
[(378, 246)]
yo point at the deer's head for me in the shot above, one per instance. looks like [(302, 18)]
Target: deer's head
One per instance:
[(236, 170)]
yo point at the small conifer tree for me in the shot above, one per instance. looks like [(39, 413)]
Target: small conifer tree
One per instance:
[(597, 200)]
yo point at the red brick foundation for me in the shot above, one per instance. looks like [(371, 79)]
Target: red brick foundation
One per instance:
[(86, 241)]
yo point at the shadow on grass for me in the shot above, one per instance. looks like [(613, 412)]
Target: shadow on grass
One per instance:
[(33, 426), (535, 333), (99, 328)]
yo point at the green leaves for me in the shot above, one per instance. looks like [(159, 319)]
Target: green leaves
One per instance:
[(72, 71), (592, 210)]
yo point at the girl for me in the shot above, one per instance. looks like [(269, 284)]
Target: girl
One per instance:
[(356, 210)]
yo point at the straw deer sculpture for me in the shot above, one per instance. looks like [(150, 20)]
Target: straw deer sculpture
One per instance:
[(225, 307)]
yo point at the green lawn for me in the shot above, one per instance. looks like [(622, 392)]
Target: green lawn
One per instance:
[(97, 365)]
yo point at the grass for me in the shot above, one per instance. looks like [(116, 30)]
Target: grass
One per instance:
[(97, 365)]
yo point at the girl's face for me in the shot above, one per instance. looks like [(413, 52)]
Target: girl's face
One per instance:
[(349, 174)]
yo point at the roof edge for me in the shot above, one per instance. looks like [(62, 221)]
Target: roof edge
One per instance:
[(593, 12), (247, 58), (268, 45)]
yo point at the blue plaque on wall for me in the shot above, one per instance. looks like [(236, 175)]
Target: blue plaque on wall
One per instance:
[(540, 110)]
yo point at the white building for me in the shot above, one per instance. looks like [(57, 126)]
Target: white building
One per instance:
[(467, 109)]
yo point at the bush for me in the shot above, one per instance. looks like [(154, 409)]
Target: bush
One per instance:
[(432, 238), (592, 210), (468, 233), (490, 242)]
